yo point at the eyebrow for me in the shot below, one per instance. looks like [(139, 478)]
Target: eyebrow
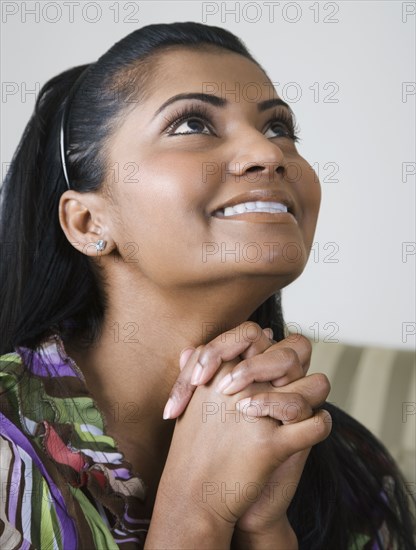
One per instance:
[(220, 101)]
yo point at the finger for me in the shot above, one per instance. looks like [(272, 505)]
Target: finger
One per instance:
[(294, 437), (291, 470), (306, 394), (302, 346), (228, 346), (182, 390), (314, 388), (298, 344), (294, 465), (184, 356), (215, 352), (269, 333), (279, 366), (289, 473), (292, 351), (285, 407)]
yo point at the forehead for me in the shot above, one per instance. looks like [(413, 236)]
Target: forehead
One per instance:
[(216, 71)]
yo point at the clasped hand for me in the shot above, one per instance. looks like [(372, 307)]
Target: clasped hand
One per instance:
[(269, 378)]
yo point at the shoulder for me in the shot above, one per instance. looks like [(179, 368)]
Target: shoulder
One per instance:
[(11, 370), (39, 508), (59, 469), (30, 503)]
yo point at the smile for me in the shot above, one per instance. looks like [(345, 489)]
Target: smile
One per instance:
[(257, 211), (257, 206)]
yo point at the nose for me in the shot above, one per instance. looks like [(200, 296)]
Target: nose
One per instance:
[(257, 156)]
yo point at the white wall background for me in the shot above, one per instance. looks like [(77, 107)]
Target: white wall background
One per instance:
[(359, 285)]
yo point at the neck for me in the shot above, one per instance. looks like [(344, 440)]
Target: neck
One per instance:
[(132, 367)]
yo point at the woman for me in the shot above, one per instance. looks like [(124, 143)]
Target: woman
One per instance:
[(134, 212)]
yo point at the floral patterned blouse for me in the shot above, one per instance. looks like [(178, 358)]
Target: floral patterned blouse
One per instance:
[(64, 484)]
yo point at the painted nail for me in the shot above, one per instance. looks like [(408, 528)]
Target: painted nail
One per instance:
[(197, 374), (225, 382), (167, 413)]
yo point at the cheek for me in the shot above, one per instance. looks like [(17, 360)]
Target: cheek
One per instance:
[(162, 217), (308, 190)]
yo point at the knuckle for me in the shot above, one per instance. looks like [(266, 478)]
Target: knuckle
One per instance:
[(288, 356), (323, 425), (295, 406), (322, 382), (208, 353), (251, 330), (292, 412), (206, 350)]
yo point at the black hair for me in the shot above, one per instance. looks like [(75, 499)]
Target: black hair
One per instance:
[(45, 283), (47, 286)]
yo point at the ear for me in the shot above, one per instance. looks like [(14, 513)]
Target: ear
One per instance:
[(83, 220)]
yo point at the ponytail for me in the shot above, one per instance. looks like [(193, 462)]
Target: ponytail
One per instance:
[(43, 279)]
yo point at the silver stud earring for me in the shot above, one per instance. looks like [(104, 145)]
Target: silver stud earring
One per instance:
[(100, 245)]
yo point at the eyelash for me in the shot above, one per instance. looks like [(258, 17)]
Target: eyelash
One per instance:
[(201, 112), (187, 112), (285, 118)]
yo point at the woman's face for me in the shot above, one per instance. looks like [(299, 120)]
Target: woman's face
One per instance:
[(171, 173)]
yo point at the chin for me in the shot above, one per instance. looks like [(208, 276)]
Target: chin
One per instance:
[(277, 276)]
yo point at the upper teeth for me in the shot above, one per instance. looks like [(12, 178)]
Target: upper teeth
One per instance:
[(258, 206)]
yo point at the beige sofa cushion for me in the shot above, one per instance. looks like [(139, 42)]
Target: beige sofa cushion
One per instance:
[(377, 386)]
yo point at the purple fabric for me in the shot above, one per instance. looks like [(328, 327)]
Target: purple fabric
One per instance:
[(39, 364), (16, 476), (132, 520), (122, 473), (68, 532)]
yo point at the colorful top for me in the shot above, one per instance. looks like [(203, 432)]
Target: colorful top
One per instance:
[(64, 483)]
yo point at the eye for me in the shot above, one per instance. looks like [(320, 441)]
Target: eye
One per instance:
[(282, 125), (277, 129), (192, 119), (192, 125)]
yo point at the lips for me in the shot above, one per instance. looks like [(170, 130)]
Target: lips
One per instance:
[(258, 196)]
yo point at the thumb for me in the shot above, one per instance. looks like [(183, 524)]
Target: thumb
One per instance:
[(290, 472)]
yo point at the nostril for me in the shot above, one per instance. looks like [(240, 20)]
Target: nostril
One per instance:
[(255, 168), (259, 168)]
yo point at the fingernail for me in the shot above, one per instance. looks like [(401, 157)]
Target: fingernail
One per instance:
[(167, 413), (269, 332), (225, 382), (196, 375), (242, 403), (184, 357), (250, 407)]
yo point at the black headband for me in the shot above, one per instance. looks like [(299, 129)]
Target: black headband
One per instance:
[(64, 118)]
